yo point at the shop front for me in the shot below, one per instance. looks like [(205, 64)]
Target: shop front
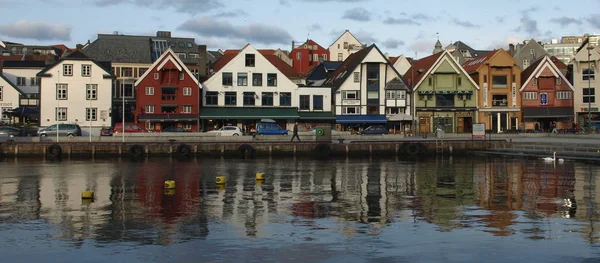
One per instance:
[(454, 120), (355, 123), (500, 120), (544, 117), (585, 115), (246, 118), (159, 122)]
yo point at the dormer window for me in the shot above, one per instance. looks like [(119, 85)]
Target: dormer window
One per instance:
[(250, 60)]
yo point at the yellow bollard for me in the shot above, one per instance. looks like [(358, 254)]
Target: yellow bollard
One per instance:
[(220, 187), (260, 176), (87, 194), (87, 201), (169, 192), (259, 182), (169, 184), (221, 180)]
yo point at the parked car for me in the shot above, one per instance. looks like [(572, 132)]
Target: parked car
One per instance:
[(129, 128), (174, 129), (64, 129), (267, 128), (228, 131), (106, 131), (375, 129), (10, 132)]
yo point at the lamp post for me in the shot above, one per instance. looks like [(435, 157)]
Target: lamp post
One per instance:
[(589, 48), (89, 112), (123, 112), (57, 103)]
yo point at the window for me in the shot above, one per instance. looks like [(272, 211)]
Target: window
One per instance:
[(530, 95), (187, 91), (256, 79), (128, 90), (558, 81), (563, 95), (242, 79), (499, 81), (187, 108), (149, 126), (484, 78), (86, 70), (227, 78), (345, 45), (525, 63), (589, 95), (304, 102), (340, 57), (91, 91), (324, 57), (21, 81), (315, 57), (141, 71), (298, 55), (187, 125), (285, 99), (535, 81), (91, 114), (588, 74), (62, 91), (249, 99), (392, 110), (395, 94), (500, 100), (127, 72), (34, 81), (150, 91), (250, 60), (356, 76), (1, 92), (60, 114), (181, 44), (67, 69), (156, 76), (194, 55), (310, 58), (211, 98), (430, 81), (459, 81), (350, 110), (271, 79), (181, 76), (231, 98), (149, 108), (317, 102), (349, 95), (189, 45), (444, 100), (267, 99), (181, 55)]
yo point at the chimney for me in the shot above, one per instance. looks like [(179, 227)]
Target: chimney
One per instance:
[(79, 47), (293, 45), (511, 49), (165, 34)]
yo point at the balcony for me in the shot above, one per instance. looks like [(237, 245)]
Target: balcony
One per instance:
[(168, 97)]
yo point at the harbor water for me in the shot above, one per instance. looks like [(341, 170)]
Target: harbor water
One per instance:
[(440, 209)]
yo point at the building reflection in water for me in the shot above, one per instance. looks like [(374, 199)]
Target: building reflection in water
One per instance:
[(500, 196)]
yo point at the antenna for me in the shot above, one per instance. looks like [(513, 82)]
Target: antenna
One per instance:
[(437, 34)]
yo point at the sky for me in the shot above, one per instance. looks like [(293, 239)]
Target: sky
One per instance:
[(398, 27)]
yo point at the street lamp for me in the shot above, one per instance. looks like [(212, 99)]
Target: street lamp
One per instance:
[(589, 48)]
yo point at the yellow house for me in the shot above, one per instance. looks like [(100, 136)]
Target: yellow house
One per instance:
[(499, 78)]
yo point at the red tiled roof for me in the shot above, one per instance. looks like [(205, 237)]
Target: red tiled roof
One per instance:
[(418, 70), (393, 60), (222, 61), (559, 64), (472, 65), (285, 68)]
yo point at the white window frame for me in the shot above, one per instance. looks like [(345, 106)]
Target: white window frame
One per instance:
[(187, 91), (156, 76), (60, 113), (535, 80), (563, 95), (345, 110), (21, 81), (525, 63), (91, 114), (91, 91), (345, 95), (86, 70), (591, 74), (315, 57), (340, 57), (149, 91), (530, 95), (324, 57), (181, 76), (356, 76), (149, 108), (67, 69), (1, 93), (187, 109), (33, 81), (558, 81), (298, 55), (59, 88), (187, 125)]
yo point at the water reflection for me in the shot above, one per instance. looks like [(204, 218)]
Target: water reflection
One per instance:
[(500, 197)]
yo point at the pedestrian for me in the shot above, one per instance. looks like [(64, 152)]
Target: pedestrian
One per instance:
[(295, 132), (537, 127), (554, 127)]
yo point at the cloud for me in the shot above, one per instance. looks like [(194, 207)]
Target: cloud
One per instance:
[(464, 23), (400, 21), (284, 3), (254, 33), (357, 14), (365, 37), (425, 46), (500, 19), (182, 6), (315, 27), (36, 30), (393, 43), (594, 21), (528, 25), (341, 1), (422, 17), (234, 13), (566, 21)]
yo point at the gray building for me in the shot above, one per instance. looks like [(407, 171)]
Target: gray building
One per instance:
[(463, 52), (526, 53)]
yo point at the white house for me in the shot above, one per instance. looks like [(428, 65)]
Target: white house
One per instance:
[(23, 74), (248, 86), (401, 64), (9, 97), (368, 89), (345, 45), (77, 90), (585, 64)]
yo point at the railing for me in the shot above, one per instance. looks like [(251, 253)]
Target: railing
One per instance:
[(168, 97)]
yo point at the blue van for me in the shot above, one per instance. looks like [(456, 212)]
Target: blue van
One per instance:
[(270, 128)]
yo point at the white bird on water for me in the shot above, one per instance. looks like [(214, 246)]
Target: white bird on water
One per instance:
[(553, 158)]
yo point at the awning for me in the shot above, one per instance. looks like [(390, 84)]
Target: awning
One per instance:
[(547, 112), (326, 115), (358, 119), (167, 117), (400, 117), (25, 111), (248, 113)]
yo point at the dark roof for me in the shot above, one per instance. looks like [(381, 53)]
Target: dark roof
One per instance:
[(395, 83), (120, 49), (459, 45), (585, 42), (23, 64), (419, 68), (77, 55), (559, 64), (347, 67), (12, 84), (320, 72), (529, 70)]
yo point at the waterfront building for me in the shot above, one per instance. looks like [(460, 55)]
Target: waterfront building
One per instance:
[(585, 63), (527, 53), (444, 95), (344, 46), (463, 52), (307, 55)]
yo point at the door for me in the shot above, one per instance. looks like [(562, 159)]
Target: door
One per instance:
[(460, 125), (503, 122), (495, 122), (424, 124), (468, 124)]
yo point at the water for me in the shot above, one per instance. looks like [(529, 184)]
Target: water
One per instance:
[(436, 210)]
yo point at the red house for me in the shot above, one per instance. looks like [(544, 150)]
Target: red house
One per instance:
[(546, 95), (308, 55), (167, 95)]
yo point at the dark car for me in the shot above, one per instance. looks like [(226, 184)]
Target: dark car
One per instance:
[(10, 132), (106, 131), (174, 129), (376, 129)]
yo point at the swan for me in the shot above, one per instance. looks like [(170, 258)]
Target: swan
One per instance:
[(553, 158)]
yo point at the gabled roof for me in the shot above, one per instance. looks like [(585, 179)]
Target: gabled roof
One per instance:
[(23, 64), (78, 55), (347, 31), (426, 65), (167, 56), (12, 84), (538, 67), (394, 59), (583, 44), (525, 48), (559, 64), (474, 64), (320, 71), (222, 61), (262, 51), (120, 49), (285, 68), (308, 42), (459, 45)]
